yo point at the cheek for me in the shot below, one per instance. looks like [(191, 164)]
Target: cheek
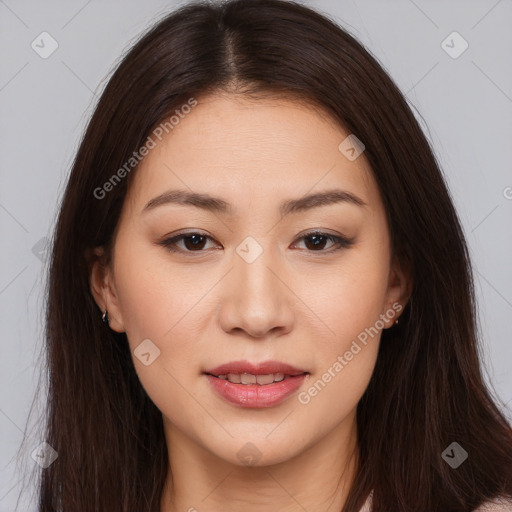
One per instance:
[(350, 303), (166, 307), (347, 297), (154, 298)]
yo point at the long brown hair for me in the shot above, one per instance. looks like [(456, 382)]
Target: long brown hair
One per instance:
[(427, 389)]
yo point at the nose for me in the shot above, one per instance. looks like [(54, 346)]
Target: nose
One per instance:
[(256, 299)]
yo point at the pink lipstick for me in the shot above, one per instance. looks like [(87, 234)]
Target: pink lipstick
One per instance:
[(255, 385)]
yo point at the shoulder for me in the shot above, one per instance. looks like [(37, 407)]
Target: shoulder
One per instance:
[(496, 505)]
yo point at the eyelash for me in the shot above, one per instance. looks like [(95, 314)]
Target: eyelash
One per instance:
[(341, 242)]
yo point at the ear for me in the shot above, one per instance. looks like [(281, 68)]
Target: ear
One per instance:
[(101, 282), (399, 290)]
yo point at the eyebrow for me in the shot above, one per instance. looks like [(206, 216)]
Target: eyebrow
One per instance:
[(218, 205)]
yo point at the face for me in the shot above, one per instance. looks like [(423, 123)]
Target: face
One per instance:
[(254, 277)]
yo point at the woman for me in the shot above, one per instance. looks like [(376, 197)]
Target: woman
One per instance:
[(260, 296)]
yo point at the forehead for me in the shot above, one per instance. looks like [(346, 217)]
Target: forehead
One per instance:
[(251, 150)]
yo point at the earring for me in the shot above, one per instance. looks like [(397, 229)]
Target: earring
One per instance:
[(396, 321), (104, 317)]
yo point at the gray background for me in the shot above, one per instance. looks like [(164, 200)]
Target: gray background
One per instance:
[(466, 111)]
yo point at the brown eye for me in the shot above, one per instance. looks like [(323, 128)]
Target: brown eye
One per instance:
[(316, 242), (192, 242)]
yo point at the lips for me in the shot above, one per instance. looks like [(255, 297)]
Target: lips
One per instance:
[(255, 385)]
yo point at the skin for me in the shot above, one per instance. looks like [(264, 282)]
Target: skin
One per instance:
[(295, 303)]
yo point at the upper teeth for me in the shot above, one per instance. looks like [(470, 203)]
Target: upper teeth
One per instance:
[(248, 378)]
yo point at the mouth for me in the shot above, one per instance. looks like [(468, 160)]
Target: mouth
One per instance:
[(255, 385)]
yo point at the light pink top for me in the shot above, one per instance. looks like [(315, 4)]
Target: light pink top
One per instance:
[(367, 504), (498, 505)]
